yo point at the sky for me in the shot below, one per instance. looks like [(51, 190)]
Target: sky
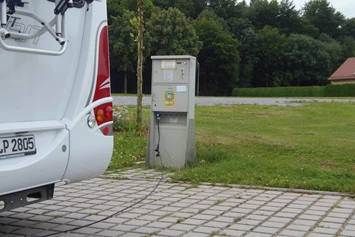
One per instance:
[(347, 7)]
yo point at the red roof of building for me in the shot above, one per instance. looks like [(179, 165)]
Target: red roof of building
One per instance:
[(345, 71)]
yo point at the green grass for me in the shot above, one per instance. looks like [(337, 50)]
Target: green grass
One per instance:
[(307, 147)]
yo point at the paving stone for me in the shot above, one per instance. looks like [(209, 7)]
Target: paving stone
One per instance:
[(304, 222), (249, 222), (267, 230), (194, 234), (124, 227), (204, 217), (109, 233), (330, 225), (27, 231), (87, 230), (137, 222), (241, 227), (172, 233), (331, 231), (133, 235), (207, 230), (192, 221), (159, 224), (286, 214), (216, 224), (255, 234), (273, 224), (319, 235), (299, 227), (309, 217), (334, 220), (183, 227), (257, 217), (146, 230), (350, 227), (338, 215), (347, 233), (294, 233), (315, 212), (44, 226), (232, 233), (7, 229), (281, 220)]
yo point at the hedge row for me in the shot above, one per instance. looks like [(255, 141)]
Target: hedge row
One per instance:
[(345, 90)]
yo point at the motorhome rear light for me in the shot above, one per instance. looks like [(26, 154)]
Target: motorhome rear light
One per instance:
[(91, 121), (108, 112), (105, 131), (100, 116)]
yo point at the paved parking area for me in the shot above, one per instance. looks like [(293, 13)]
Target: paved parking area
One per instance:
[(178, 209)]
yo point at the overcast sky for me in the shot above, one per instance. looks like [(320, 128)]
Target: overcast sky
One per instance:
[(347, 7)]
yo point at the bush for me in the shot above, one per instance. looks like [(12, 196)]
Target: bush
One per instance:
[(124, 120), (344, 90), (306, 91)]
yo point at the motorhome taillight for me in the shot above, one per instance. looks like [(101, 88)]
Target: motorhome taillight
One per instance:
[(105, 131), (108, 112), (100, 115)]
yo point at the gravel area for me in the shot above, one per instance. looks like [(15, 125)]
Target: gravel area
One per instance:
[(206, 101)]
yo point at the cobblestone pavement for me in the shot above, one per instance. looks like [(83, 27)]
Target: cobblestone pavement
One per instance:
[(180, 209)]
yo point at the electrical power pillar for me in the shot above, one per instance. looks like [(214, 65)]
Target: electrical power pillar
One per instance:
[(172, 140)]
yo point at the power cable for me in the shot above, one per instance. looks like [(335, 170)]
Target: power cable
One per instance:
[(134, 204)]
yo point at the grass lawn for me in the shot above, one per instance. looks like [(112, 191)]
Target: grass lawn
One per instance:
[(308, 147)]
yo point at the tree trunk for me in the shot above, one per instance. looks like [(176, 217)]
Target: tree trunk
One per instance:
[(125, 82), (140, 63)]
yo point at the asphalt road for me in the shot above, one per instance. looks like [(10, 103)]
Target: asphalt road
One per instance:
[(207, 101)]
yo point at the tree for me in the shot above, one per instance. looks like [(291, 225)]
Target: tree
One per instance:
[(191, 8), (114, 9), (132, 6), (225, 8), (348, 47), (211, 15), (238, 25), (248, 54), (307, 60), (349, 27), (288, 19), (140, 63), (123, 47), (263, 12), (334, 49), (323, 16), (271, 48), (170, 32), (219, 58)]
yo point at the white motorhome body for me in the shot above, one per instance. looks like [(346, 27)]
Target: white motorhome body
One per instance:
[(56, 106)]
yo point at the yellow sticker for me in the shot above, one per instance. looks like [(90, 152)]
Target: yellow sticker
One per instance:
[(169, 98)]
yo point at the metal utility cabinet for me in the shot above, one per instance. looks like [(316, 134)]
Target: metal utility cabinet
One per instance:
[(172, 119)]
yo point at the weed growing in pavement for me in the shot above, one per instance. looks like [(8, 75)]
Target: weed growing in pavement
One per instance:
[(218, 202)]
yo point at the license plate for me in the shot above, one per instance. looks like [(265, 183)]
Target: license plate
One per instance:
[(17, 146)]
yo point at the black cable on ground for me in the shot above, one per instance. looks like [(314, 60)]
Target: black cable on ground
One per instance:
[(126, 208)]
